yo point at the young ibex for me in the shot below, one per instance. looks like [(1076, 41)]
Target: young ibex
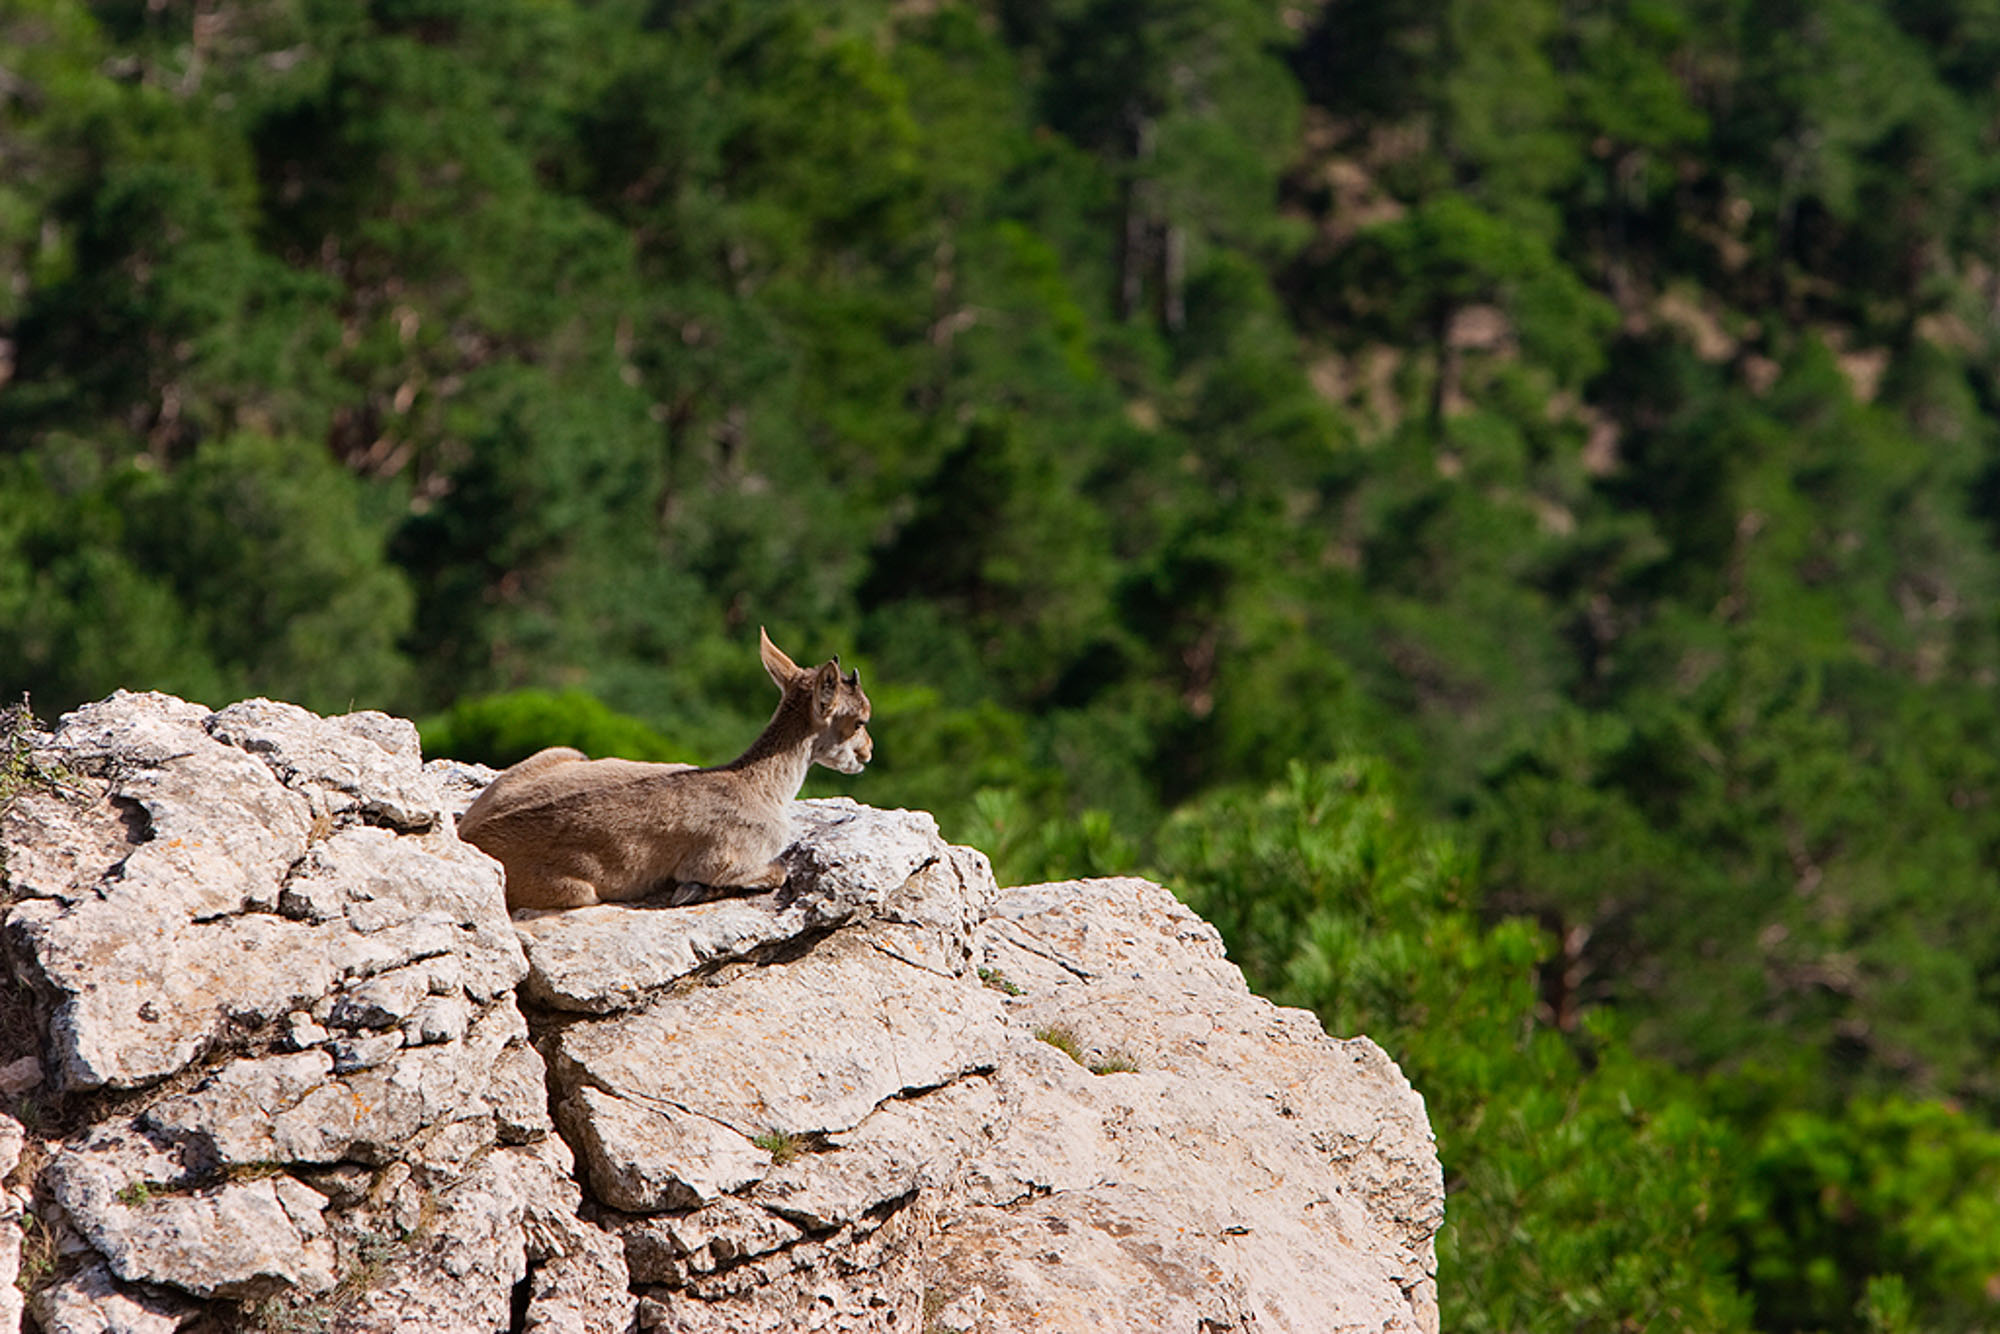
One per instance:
[(572, 831)]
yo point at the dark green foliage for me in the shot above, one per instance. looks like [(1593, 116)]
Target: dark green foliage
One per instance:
[(999, 543), (255, 567), (1891, 1190), (1588, 408), (1580, 1191), (500, 730), (19, 770)]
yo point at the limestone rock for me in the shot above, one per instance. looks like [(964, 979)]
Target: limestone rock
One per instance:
[(610, 957), (272, 907), (809, 1047), (1242, 1121), (511, 1217), (12, 1138), (1251, 1173), (294, 1109), (644, 1159), (458, 783), (60, 845), (1110, 1259), (850, 863), (91, 1301), (669, 1248), (293, 1000), (369, 763), (855, 1280), (908, 1144), (160, 935), (586, 1290), (133, 1202)]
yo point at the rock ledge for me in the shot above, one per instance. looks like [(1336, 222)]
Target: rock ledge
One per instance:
[(285, 1063)]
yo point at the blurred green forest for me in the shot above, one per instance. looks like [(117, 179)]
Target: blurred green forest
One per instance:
[(1497, 504)]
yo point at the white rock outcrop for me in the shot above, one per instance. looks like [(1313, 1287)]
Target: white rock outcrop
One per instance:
[(283, 1062)]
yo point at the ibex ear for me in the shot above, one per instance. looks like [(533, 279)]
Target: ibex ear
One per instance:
[(826, 687), (782, 669)]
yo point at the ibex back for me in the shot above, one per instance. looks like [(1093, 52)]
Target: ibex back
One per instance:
[(572, 831)]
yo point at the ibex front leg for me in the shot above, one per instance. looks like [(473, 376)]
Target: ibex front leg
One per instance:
[(712, 872)]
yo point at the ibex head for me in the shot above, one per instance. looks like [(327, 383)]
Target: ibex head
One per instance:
[(836, 704)]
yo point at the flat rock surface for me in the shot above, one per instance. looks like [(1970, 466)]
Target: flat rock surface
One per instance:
[(853, 1026), (1242, 1120), (847, 863), (645, 1155)]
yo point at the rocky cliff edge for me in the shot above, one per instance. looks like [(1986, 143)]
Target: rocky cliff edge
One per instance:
[(278, 1059)]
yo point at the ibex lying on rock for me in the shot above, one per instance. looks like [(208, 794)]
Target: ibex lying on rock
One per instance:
[(572, 831)]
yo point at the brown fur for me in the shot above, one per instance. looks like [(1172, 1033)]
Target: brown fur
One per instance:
[(572, 831)]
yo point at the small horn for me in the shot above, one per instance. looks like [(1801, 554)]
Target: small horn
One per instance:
[(854, 677)]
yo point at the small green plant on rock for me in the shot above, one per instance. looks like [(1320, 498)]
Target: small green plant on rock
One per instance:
[(935, 1300), (38, 1255), (257, 1171), (368, 1255), (283, 1315), (1063, 1039), (17, 762), (783, 1146), (20, 771), (997, 981), (1114, 1062)]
